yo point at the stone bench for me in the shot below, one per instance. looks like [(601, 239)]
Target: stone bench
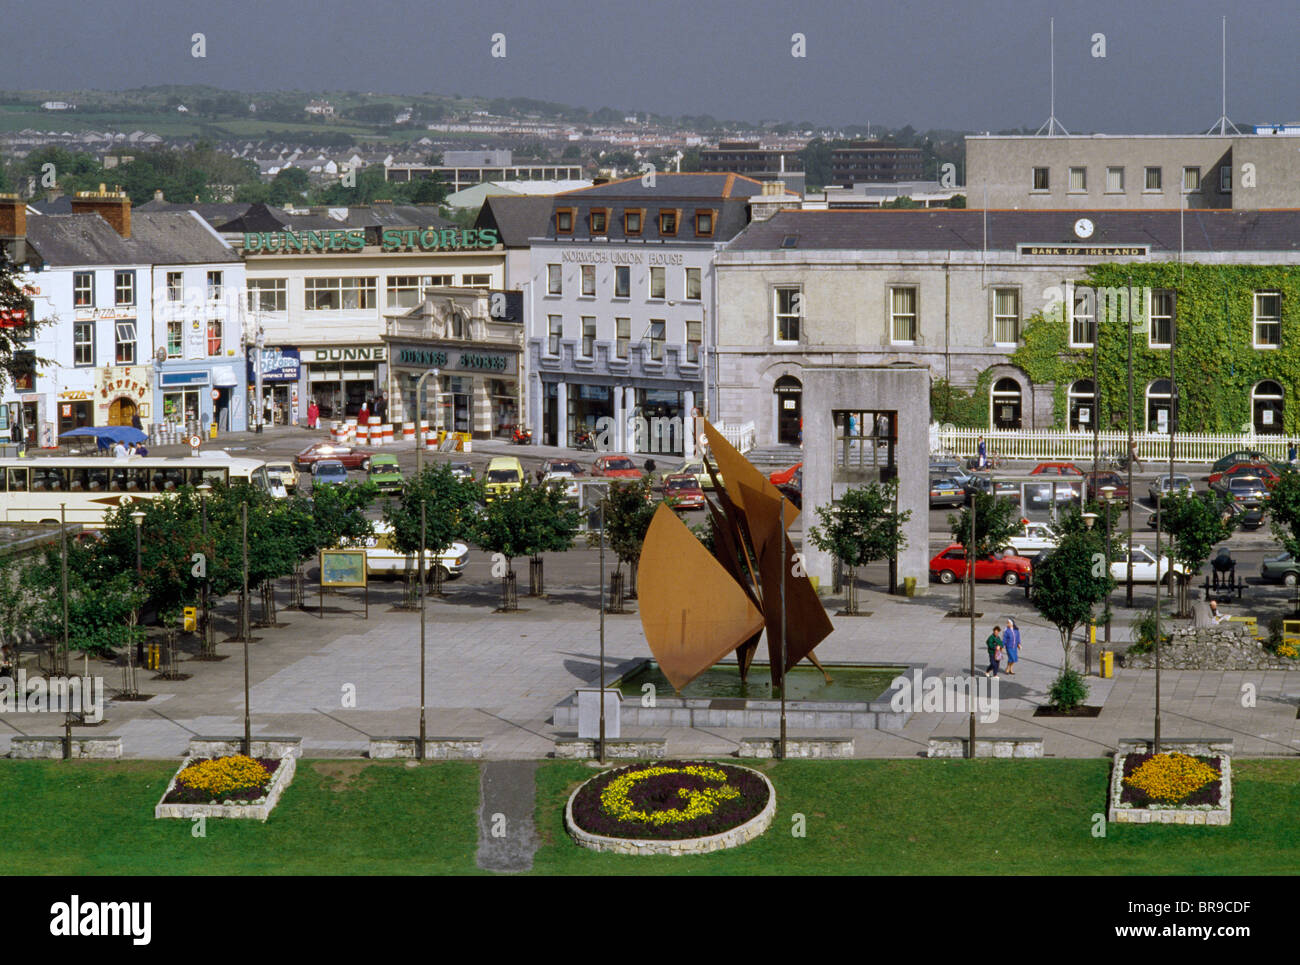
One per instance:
[(838, 747), (435, 748), (1192, 746), (260, 746), (627, 748), (51, 748), (986, 747)]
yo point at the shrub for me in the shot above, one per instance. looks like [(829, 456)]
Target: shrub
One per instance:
[(1068, 690)]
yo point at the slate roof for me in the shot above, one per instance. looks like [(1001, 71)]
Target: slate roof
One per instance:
[(176, 238), (265, 217), (60, 205), (695, 184), (79, 239), (516, 218), (940, 229)]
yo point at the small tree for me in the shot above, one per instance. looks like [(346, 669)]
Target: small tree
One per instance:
[(628, 512), (1196, 523), (861, 528), (506, 526), (1284, 512), (1070, 583), (554, 527), (449, 509), (997, 519)]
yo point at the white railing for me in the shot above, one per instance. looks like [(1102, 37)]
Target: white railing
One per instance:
[(742, 435), (1058, 444)]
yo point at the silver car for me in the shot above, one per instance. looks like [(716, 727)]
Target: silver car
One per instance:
[(1163, 485)]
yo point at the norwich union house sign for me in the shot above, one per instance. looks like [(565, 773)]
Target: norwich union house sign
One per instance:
[(354, 239)]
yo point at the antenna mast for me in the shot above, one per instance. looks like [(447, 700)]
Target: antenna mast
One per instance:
[(1222, 125), (1053, 126)]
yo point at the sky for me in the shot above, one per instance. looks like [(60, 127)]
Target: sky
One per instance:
[(963, 64)]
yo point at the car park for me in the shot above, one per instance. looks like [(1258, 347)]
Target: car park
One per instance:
[(615, 467), (682, 491), (1144, 567), (570, 466), (382, 559), (1244, 490), (385, 473), (1280, 569), (349, 456), (504, 474), (945, 491), (1248, 456), (328, 472), (1246, 516), (949, 566), (566, 482), (984, 482), (1056, 469), (790, 483), (462, 471)]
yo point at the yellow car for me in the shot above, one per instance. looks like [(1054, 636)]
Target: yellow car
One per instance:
[(504, 474), (695, 467)]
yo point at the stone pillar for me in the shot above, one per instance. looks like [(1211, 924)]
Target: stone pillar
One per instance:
[(562, 414), (620, 421), (536, 403), (629, 407), (688, 425)]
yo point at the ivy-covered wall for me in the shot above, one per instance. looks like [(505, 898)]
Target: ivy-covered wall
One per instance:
[(1216, 364)]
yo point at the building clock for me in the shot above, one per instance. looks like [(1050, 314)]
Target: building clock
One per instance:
[(1083, 228)]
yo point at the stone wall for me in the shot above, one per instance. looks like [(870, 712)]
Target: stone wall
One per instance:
[(51, 748), (1225, 647), (817, 747), (259, 746), (632, 749), (435, 748), (986, 747)]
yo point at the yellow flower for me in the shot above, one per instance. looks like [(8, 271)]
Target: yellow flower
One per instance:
[(614, 799), (1171, 777), (222, 775)]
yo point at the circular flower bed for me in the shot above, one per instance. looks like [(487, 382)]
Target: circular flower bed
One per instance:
[(1165, 779), (673, 801), (232, 778)]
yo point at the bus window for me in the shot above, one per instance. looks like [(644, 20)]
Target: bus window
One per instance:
[(17, 480), (168, 478), (48, 479), (76, 480), (96, 479), (211, 476), (117, 480), (137, 480), (258, 478)]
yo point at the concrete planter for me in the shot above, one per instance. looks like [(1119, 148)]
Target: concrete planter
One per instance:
[(51, 748), (1204, 815), (259, 810), (735, 837)]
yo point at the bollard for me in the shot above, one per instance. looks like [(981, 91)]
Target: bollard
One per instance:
[(375, 431), (388, 433), (408, 431)]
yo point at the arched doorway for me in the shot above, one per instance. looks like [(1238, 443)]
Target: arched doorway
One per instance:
[(1161, 410), (789, 410), (1083, 404), (121, 412), (1266, 401), (1006, 405)]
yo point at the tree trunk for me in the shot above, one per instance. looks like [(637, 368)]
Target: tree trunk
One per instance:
[(535, 576), (629, 591), (851, 595)]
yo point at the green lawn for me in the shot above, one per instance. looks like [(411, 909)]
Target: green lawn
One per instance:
[(337, 817), (920, 817), (862, 817)]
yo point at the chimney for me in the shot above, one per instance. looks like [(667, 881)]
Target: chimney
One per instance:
[(113, 206), (157, 194), (13, 216)]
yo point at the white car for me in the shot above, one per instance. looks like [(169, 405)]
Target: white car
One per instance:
[(383, 560), (1144, 566), (564, 481), (1032, 539)]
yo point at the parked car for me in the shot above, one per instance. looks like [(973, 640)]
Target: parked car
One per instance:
[(383, 560), (349, 456), (790, 483), (287, 473), (983, 482), (504, 474), (615, 467), (328, 472), (1164, 484), (949, 466), (1095, 482), (682, 491), (385, 473), (1247, 455), (563, 465), (1056, 469), (1033, 538), (1244, 490), (695, 467), (1280, 569), (1247, 517), (949, 566), (945, 491), (566, 482), (1144, 567), (462, 471), (1257, 468)]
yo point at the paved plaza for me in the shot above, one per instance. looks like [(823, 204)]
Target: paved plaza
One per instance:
[(336, 681)]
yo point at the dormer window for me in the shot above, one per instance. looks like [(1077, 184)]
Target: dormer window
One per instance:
[(704, 222), (667, 221), (599, 221), (564, 221), (632, 221)]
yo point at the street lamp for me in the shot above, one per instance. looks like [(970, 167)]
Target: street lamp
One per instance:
[(205, 490), (419, 419), (1108, 496), (138, 516), (422, 608)]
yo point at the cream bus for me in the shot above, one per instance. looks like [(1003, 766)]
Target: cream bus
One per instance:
[(32, 489)]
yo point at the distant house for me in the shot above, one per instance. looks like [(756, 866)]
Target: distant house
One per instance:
[(181, 108), (320, 108), (58, 106)]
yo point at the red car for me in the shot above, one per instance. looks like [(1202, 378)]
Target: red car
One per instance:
[(616, 467), (1056, 469), (950, 566), (682, 491), (350, 456), (1095, 482), (1252, 468), (783, 477)]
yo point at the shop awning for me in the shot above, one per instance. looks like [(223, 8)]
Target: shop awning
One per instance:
[(224, 375)]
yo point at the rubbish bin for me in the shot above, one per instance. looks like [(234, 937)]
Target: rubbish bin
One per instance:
[(909, 586), (1107, 668), (212, 430)]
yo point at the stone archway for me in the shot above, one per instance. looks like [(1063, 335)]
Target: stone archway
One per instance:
[(122, 411)]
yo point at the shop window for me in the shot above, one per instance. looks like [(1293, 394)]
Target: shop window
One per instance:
[(214, 336)]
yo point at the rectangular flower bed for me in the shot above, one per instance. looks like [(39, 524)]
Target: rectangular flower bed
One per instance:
[(256, 802), (1206, 790)]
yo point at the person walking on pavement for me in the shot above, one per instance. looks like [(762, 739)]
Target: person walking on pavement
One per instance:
[(313, 413), (1011, 644), (381, 407), (994, 646), (1291, 455), (983, 462), (1133, 455)]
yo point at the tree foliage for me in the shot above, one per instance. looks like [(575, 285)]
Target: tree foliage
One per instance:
[(449, 508), (628, 512), (15, 356), (1070, 583), (997, 519), (1284, 512), (863, 526)]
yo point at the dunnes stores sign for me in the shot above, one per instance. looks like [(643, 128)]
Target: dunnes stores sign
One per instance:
[(333, 241), (457, 360)]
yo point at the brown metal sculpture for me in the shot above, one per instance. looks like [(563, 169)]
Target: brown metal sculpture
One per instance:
[(696, 605)]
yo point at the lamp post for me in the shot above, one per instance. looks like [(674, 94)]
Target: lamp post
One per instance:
[(1089, 519), (138, 517), (1155, 749), (1128, 588), (604, 495), (1108, 496), (422, 599), (248, 730), (970, 598), (63, 547), (419, 419), (260, 343), (784, 661), (205, 490)]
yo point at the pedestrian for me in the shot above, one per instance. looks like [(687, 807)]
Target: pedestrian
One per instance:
[(16, 433), (983, 461), (1011, 644), (140, 450), (1291, 455), (363, 417), (119, 450), (994, 646), (381, 407), (313, 413), (1133, 455)]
